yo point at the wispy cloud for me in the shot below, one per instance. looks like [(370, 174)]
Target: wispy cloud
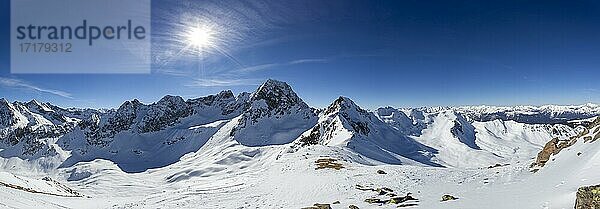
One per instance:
[(281, 64), (258, 67), (223, 82), (302, 61), (21, 84), (233, 77)]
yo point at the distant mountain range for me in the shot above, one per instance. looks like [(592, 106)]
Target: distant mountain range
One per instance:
[(268, 132), (160, 133)]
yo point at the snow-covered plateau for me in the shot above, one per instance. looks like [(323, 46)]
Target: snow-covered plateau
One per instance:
[(269, 149)]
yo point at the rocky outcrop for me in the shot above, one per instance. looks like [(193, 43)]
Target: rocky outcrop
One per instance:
[(588, 197), (448, 197), (555, 145)]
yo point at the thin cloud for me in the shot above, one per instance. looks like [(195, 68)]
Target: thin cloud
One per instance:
[(273, 65), (303, 61), (223, 82), (17, 83), (259, 67)]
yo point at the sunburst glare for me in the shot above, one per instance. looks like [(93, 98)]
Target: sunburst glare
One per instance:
[(202, 37)]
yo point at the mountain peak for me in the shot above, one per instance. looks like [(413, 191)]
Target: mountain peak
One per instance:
[(342, 104), (225, 94), (277, 95), (171, 99), (3, 101)]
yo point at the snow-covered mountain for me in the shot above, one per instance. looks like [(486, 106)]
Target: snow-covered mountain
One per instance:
[(263, 147), (345, 124), (461, 142), (275, 115), (546, 114)]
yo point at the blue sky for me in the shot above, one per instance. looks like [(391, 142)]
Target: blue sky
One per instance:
[(379, 53)]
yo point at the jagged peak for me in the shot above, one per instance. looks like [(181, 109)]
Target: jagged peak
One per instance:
[(39, 106), (130, 104), (277, 95), (273, 83), (388, 111), (6, 104), (244, 96), (3, 101), (171, 99), (343, 104), (225, 94), (279, 88)]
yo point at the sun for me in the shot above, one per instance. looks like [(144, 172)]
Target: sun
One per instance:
[(200, 37)]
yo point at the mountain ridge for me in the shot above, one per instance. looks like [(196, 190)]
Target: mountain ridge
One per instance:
[(271, 115)]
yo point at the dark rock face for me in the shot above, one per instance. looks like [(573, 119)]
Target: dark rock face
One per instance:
[(588, 197), (273, 108), (464, 132), (19, 127), (164, 113), (350, 115), (7, 114), (278, 96), (136, 117), (312, 138), (353, 114), (274, 99)]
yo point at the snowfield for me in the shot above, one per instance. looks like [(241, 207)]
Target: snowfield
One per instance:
[(268, 149)]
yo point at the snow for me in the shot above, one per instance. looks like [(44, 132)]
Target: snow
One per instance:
[(259, 150)]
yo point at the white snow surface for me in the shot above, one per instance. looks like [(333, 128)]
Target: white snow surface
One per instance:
[(250, 151)]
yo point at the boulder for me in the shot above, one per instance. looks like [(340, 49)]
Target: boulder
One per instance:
[(588, 197), (448, 197), (374, 200), (319, 206), (397, 200)]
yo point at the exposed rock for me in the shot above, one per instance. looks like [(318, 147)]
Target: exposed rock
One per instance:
[(381, 172), (363, 188), (549, 149), (407, 205), (383, 190), (328, 163), (393, 200), (448, 197), (588, 197), (353, 207), (375, 201), (319, 206), (497, 165), (555, 145), (336, 202), (397, 200)]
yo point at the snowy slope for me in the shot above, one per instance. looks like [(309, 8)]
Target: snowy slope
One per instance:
[(269, 149), (345, 124)]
